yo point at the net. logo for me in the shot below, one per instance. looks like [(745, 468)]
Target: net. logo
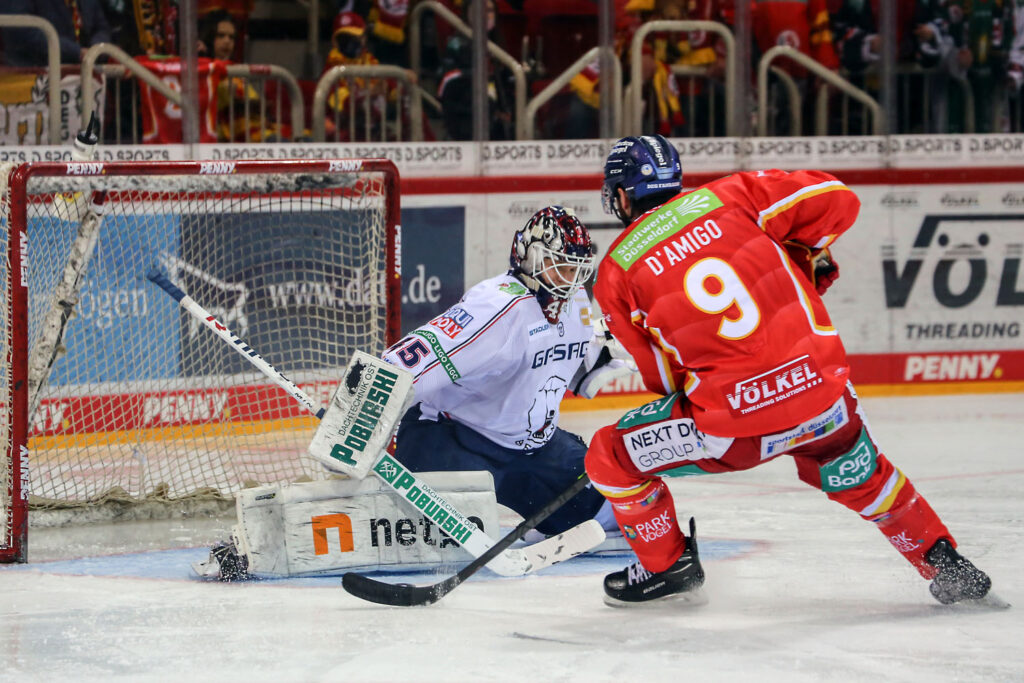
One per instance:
[(322, 524), (961, 270)]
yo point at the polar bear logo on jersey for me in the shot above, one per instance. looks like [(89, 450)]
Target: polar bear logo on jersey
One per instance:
[(543, 412)]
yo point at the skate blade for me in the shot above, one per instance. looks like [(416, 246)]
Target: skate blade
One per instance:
[(208, 570), (694, 598), (991, 601)]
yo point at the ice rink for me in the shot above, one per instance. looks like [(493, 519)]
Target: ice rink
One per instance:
[(800, 590)]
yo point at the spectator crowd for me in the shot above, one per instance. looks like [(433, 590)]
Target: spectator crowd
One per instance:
[(959, 64)]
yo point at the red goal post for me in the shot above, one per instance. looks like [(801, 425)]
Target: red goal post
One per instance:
[(110, 392)]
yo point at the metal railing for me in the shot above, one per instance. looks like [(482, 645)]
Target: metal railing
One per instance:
[(367, 101), (792, 91), (829, 77), (52, 65), (926, 103), (126, 61), (126, 64), (504, 58), (634, 101), (261, 73), (540, 99)]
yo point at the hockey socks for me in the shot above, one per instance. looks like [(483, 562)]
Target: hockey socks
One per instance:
[(913, 528), (680, 581), (648, 522)]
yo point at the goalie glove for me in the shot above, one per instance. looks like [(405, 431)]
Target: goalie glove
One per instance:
[(605, 360), (587, 383), (816, 264)]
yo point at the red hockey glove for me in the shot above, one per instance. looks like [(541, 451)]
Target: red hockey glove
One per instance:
[(816, 264)]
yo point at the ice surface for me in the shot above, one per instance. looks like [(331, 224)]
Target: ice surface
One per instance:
[(800, 590)]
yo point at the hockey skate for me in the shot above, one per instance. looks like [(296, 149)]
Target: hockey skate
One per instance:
[(634, 585), (223, 564), (958, 580)]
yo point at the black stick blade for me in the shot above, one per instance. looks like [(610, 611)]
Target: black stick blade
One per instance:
[(393, 594)]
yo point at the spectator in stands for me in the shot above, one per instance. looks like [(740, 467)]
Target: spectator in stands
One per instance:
[(387, 31), (858, 45), (965, 41), (804, 26), (349, 47), (691, 49), (237, 10), (1015, 69), (576, 116), (80, 24), (219, 36), (455, 90), (238, 102)]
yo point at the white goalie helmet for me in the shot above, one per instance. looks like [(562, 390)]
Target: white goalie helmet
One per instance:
[(553, 253)]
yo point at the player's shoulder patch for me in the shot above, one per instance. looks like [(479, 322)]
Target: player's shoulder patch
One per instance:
[(453, 321), (513, 289), (654, 411)]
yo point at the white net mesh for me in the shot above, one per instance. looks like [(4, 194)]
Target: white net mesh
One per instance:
[(141, 401)]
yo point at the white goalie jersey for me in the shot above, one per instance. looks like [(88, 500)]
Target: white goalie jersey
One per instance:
[(494, 363)]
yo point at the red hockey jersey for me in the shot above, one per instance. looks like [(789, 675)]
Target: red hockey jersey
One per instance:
[(703, 294)]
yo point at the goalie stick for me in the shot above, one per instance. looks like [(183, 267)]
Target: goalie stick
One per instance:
[(407, 595), (89, 211), (508, 562)]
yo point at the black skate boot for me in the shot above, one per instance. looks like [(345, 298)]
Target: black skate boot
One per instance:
[(225, 563), (635, 585), (957, 579)]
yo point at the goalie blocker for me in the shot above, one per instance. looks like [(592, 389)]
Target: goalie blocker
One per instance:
[(333, 526), (357, 426)]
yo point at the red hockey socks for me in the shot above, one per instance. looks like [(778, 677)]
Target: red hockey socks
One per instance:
[(648, 521), (913, 528)]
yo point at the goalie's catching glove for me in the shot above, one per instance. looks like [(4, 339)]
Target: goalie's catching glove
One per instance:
[(816, 264), (605, 360), (587, 383)]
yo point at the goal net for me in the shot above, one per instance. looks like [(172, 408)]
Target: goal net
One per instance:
[(110, 391)]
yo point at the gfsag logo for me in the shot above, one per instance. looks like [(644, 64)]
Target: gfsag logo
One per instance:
[(959, 256), (852, 469), (322, 524)]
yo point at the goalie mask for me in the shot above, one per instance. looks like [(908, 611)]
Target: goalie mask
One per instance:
[(553, 256), (647, 168)]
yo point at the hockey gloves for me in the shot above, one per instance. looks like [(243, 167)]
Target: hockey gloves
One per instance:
[(605, 360), (816, 264)]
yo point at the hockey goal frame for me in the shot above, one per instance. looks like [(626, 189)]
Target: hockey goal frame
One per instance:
[(14, 388)]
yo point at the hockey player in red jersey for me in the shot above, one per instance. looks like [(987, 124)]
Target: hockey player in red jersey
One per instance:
[(716, 294)]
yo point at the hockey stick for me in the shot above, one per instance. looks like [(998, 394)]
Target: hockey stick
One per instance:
[(510, 563), (66, 294), (407, 595)]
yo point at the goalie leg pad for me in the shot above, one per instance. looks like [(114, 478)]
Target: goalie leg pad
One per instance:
[(329, 527)]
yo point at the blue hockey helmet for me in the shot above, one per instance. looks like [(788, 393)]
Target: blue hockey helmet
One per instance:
[(647, 168)]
